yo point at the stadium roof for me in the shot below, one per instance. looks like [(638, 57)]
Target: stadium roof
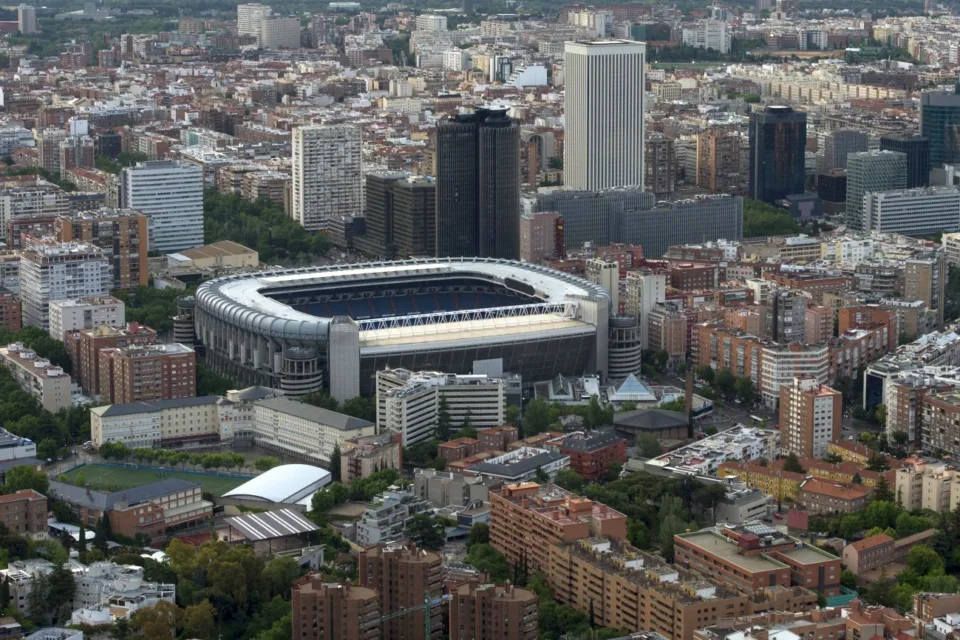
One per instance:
[(287, 484), (272, 524)]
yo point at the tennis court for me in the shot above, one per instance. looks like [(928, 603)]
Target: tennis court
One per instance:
[(109, 478)]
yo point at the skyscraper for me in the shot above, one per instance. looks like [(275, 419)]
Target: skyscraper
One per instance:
[(478, 185), (917, 149), (249, 17), (939, 115), (326, 180), (660, 165), (778, 139), (837, 145), (603, 107), (26, 19), (170, 194), (872, 171)]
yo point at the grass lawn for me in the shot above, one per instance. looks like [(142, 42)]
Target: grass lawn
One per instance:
[(107, 478)]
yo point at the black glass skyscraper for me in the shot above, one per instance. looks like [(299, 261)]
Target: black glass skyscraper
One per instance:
[(917, 150), (478, 185), (940, 124), (778, 140)]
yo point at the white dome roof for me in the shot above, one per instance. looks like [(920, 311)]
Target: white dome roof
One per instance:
[(288, 483)]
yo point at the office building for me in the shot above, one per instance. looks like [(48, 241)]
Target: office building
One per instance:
[(170, 194), (837, 145), (913, 212), (754, 556), (541, 236), (645, 290), (37, 376), (326, 181), (526, 519), (122, 235), (304, 431), (917, 150), (810, 417), (480, 611), (404, 577), (778, 140), (60, 272), (604, 107), (409, 402), (26, 19), (143, 373), (593, 216), (939, 118), (660, 165), (708, 34), (331, 611), (478, 185), (428, 22), (84, 313), (718, 160), (869, 172), (279, 33), (249, 17), (401, 215)]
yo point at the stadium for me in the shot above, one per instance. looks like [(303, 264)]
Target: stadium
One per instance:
[(299, 330)]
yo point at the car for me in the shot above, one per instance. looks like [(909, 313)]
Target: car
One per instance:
[(849, 437)]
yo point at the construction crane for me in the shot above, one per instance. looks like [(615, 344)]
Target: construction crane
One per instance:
[(428, 603)]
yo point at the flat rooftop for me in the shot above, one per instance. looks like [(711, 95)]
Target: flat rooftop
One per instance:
[(809, 555), (728, 549)]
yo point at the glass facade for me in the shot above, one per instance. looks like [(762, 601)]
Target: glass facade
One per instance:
[(778, 140), (939, 113)]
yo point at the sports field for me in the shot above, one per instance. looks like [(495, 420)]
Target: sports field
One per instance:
[(107, 478)]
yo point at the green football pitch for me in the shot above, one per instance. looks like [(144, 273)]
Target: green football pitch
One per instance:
[(108, 478)]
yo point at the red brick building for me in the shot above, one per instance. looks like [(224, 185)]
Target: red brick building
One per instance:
[(497, 438), (10, 310), (591, 453), (146, 373), (84, 348), (458, 449), (25, 512)]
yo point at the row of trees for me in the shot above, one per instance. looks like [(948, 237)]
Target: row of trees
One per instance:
[(762, 219), (169, 458), (727, 385), (260, 225), (360, 490), (358, 407)]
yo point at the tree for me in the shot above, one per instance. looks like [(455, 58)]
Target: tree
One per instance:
[(199, 621), (426, 532), (832, 458), (594, 416), (881, 513), (613, 472), (321, 399), (762, 219), (479, 534), (569, 480), (705, 373), (24, 477), (443, 420), (849, 579), (158, 622), (725, 382), (335, 472), (82, 542), (512, 417), (47, 449), (924, 560), (877, 462), (266, 463), (360, 407), (536, 417), (669, 527), (648, 445), (881, 491), (484, 557), (60, 589), (881, 592), (746, 390), (857, 479), (792, 463), (541, 476), (880, 414)]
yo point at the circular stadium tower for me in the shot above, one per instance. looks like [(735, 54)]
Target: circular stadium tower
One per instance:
[(294, 329)]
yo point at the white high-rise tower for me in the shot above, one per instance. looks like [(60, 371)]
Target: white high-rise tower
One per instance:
[(604, 119), (326, 182)]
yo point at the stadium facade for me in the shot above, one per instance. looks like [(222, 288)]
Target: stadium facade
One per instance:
[(299, 330)]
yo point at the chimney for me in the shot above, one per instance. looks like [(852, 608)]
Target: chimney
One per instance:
[(87, 487), (688, 402)]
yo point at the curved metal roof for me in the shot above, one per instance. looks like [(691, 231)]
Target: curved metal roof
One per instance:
[(238, 301), (287, 483)]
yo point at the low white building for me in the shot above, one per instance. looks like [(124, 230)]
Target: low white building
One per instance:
[(15, 448), (521, 464), (913, 212), (409, 402), (85, 313), (708, 34), (184, 422), (705, 456), (304, 431)]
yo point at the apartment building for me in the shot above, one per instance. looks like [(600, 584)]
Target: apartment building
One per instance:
[(781, 364), (142, 373), (446, 488), (386, 517), (38, 198), (480, 611), (85, 345), (405, 577), (592, 453), (783, 485), (626, 588), (940, 422), (333, 611), (25, 513), (304, 431), (122, 235), (60, 272), (85, 313), (818, 324), (821, 496), (37, 376), (364, 455), (149, 509), (11, 310), (409, 402), (179, 422), (921, 485), (327, 180), (810, 418), (724, 348), (526, 518), (170, 194), (754, 556)]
